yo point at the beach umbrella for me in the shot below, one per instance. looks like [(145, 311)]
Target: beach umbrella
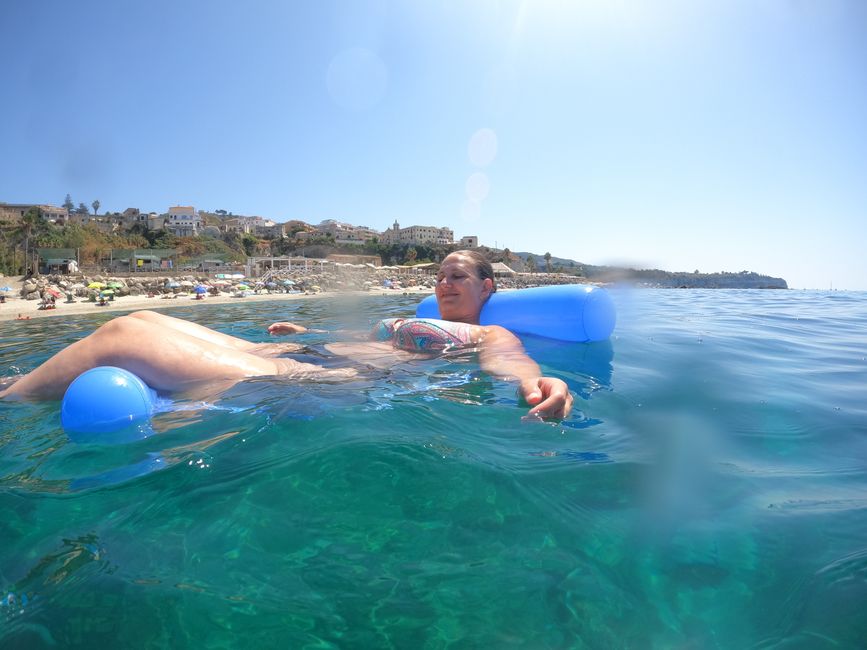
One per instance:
[(107, 292), (289, 283), (271, 284), (115, 285), (201, 289), (186, 283), (173, 285), (242, 287), (53, 292), (96, 285)]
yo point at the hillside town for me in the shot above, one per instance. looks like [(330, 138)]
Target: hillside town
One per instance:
[(39, 241), (290, 257), (184, 238), (187, 221)]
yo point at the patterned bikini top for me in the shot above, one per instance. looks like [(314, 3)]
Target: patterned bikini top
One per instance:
[(422, 334)]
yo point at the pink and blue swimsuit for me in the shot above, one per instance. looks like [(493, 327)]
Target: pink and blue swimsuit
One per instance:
[(422, 334)]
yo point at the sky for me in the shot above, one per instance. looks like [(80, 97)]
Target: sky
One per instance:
[(721, 135)]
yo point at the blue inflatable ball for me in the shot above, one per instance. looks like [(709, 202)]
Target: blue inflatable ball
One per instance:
[(105, 399)]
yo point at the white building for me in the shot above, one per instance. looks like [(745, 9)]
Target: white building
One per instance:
[(345, 233), (237, 225), (184, 221), (418, 235), (243, 225), (262, 227)]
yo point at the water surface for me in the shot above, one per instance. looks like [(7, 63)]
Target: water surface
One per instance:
[(709, 491)]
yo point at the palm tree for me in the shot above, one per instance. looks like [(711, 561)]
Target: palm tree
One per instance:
[(95, 205), (8, 250), (31, 223), (548, 262)]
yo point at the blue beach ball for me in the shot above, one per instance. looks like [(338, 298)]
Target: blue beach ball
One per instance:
[(103, 400)]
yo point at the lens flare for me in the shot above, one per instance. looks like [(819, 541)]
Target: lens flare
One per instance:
[(482, 148), (478, 187)]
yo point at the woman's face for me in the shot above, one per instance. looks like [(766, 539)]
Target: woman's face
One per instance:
[(460, 291)]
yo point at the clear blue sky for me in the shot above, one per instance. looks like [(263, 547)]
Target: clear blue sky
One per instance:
[(721, 135)]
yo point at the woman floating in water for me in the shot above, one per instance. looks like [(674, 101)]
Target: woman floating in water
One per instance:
[(170, 354)]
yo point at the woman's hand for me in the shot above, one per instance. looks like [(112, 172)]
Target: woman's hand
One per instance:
[(549, 396), (286, 328)]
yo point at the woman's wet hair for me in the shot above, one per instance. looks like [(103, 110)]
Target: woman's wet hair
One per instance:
[(481, 264)]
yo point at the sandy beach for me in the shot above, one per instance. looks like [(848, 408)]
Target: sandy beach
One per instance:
[(16, 306)]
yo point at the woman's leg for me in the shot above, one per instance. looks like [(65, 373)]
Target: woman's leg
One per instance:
[(215, 337), (164, 358), (192, 329)]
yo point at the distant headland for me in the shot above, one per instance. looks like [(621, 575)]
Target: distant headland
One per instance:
[(667, 279)]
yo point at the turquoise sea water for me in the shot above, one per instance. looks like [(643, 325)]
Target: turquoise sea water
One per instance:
[(709, 491)]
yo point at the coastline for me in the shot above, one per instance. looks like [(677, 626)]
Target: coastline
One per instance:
[(10, 309)]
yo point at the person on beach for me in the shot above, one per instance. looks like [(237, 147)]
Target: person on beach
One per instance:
[(171, 354)]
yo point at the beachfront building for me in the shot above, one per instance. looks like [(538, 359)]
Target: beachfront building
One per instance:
[(57, 260), (12, 212), (138, 260), (470, 241), (209, 263), (429, 235), (365, 260), (257, 266), (184, 221)]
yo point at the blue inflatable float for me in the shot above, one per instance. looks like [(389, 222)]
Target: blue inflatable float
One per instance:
[(105, 399), (568, 312)]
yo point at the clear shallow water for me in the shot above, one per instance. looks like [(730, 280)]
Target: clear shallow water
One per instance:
[(709, 491)]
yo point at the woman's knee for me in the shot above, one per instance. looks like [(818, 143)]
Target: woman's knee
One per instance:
[(145, 314), (123, 327)]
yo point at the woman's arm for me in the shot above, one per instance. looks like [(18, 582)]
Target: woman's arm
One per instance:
[(502, 355), (286, 328)]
